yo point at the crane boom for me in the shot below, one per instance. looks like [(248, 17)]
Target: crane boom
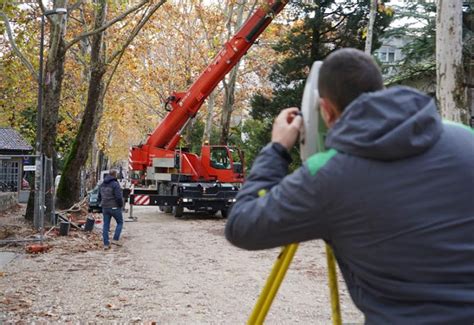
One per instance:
[(185, 105)]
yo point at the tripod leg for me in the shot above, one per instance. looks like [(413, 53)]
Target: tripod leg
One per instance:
[(272, 285), (333, 288)]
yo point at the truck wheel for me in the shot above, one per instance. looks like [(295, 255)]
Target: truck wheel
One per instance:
[(161, 192), (166, 209), (224, 213), (178, 211)]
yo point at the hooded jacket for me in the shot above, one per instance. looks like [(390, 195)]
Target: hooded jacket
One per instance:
[(110, 193), (393, 196)]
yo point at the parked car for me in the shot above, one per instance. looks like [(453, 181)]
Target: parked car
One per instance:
[(93, 200)]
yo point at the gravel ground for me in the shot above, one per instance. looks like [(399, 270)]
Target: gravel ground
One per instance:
[(169, 271)]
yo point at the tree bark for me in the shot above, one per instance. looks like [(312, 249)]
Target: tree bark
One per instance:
[(370, 27), (210, 113), (229, 87), (94, 164), (69, 187), (229, 100), (54, 75), (451, 90)]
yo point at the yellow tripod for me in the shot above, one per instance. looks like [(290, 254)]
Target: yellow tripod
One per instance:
[(311, 141), (275, 279)]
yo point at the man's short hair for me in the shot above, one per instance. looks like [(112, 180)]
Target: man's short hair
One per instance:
[(113, 173), (346, 74)]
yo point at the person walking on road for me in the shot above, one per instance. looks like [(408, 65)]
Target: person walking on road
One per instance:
[(392, 196), (111, 200)]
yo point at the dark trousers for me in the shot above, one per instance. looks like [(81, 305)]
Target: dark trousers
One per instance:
[(108, 213)]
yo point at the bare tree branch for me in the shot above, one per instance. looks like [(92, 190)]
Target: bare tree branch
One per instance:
[(43, 10), (41, 6), (251, 10), (57, 33), (149, 106), (15, 48), (106, 25), (75, 6), (78, 57), (119, 53)]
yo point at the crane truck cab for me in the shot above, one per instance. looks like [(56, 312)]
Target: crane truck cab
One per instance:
[(179, 179), (223, 163)]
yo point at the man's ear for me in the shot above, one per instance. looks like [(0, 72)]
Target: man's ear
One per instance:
[(329, 111)]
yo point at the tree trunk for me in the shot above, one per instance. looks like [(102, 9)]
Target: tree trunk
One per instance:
[(229, 100), (450, 91), (54, 74), (229, 87), (470, 97), (316, 34), (69, 187), (188, 132), (210, 112), (30, 206), (53, 87), (370, 27), (94, 164), (101, 164)]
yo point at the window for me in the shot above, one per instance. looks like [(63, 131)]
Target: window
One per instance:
[(386, 54), (9, 175), (391, 56), (220, 158)]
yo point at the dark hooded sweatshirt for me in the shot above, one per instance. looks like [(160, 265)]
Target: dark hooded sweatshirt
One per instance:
[(393, 196), (110, 193)]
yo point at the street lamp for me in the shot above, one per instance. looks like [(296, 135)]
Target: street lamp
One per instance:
[(39, 178)]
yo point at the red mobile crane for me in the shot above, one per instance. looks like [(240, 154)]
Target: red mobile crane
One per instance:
[(203, 183)]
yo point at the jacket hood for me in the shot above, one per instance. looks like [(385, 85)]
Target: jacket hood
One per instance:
[(108, 179), (390, 124)]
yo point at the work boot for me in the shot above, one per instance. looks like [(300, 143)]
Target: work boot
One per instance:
[(117, 242)]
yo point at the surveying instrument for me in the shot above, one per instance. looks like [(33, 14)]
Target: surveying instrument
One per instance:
[(312, 138)]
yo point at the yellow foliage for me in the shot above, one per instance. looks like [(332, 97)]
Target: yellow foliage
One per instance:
[(382, 8), (168, 55)]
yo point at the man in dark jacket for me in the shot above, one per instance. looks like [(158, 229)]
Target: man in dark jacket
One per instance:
[(111, 199), (393, 196)]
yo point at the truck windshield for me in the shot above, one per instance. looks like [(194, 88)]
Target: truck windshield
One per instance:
[(220, 158)]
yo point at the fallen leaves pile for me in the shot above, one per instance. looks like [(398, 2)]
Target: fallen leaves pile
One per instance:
[(13, 227)]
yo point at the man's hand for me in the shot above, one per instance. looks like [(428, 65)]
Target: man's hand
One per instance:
[(287, 127)]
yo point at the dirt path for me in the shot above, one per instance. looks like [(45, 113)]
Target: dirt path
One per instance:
[(169, 271)]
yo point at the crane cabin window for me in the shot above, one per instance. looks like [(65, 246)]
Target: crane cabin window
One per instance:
[(220, 158)]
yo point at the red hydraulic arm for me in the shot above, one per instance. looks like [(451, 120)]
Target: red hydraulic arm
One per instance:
[(184, 105)]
